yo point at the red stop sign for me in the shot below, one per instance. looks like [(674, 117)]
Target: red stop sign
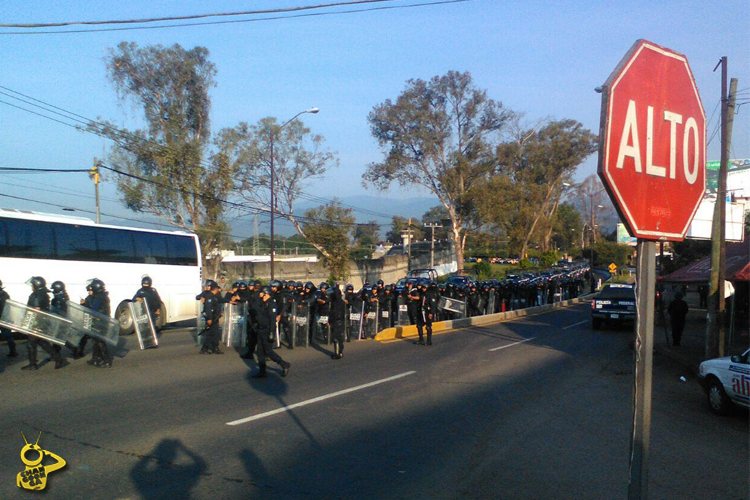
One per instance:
[(652, 142)]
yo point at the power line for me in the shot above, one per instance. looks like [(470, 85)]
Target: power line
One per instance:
[(194, 16), (237, 21), (132, 138)]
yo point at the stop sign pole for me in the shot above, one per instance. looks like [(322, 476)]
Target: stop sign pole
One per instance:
[(652, 162)]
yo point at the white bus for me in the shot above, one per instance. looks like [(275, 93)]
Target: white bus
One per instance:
[(75, 249)]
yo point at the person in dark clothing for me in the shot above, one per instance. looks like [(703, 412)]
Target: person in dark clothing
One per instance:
[(212, 314), (39, 300), (430, 300), (268, 316), (148, 292), (286, 303), (97, 300), (59, 306), (337, 321), (703, 294), (4, 332), (677, 310), (416, 316)]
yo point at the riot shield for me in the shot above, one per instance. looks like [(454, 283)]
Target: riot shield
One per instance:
[(453, 305), (144, 326), (94, 323), (370, 325), (355, 319), (323, 330), (490, 302), (384, 316), (43, 325), (300, 323), (234, 329), (403, 312)]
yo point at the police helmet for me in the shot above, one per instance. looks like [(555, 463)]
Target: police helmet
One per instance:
[(275, 284), (265, 289), (58, 287), (380, 283), (214, 286), (146, 280), (387, 288), (349, 287), (309, 285), (37, 283), (242, 285), (97, 285), (236, 284), (323, 286), (414, 292), (209, 283)]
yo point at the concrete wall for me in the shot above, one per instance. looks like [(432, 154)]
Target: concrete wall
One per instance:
[(390, 269)]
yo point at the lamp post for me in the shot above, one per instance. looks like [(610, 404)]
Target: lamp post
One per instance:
[(273, 200)]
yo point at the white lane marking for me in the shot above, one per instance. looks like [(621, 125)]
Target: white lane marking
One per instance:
[(575, 324), (319, 398), (511, 345)]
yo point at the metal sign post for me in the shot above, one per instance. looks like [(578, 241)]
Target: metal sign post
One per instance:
[(644, 354)]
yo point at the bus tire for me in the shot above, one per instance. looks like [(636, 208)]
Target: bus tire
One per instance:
[(125, 318)]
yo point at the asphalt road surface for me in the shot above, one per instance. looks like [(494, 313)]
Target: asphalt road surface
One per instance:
[(537, 408)]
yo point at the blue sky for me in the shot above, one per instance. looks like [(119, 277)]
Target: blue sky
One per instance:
[(540, 58)]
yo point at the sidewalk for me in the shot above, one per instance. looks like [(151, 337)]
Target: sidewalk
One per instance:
[(692, 349)]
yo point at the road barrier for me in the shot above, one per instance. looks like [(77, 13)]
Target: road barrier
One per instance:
[(403, 332)]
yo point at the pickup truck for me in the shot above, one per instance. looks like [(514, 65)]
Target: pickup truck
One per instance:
[(614, 304)]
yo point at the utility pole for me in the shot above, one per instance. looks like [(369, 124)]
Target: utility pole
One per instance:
[(432, 225), (716, 336), (96, 177), (255, 238), (408, 232)]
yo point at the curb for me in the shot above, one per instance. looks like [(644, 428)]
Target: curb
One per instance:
[(402, 332)]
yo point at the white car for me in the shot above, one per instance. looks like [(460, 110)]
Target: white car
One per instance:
[(726, 381)]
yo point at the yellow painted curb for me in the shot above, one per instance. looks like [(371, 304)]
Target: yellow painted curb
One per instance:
[(402, 332)]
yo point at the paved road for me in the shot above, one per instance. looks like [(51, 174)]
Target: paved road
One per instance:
[(531, 409)]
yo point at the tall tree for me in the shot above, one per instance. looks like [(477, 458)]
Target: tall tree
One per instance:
[(173, 168), (328, 227), (567, 227), (298, 155), (438, 135), (592, 200), (525, 192)]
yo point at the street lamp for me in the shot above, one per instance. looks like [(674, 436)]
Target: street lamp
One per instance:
[(273, 201)]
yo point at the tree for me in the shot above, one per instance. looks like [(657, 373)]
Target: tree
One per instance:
[(367, 234), (567, 227), (591, 196), (438, 135), (172, 168), (399, 225), (437, 215), (328, 227), (524, 193), (298, 155)]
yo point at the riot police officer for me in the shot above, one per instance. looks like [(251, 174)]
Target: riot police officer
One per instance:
[(97, 300), (212, 314), (39, 300), (59, 306), (430, 301), (4, 332), (337, 320), (148, 292), (286, 304), (268, 317)]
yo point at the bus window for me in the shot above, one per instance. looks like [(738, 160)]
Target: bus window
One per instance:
[(182, 251), (151, 248), (29, 239), (75, 242), (115, 245)]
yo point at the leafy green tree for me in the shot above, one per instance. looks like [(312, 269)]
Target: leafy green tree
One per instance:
[(567, 227), (298, 156), (173, 167), (367, 234), (328, 227), (607, 252), (524, 193), (438, 134)]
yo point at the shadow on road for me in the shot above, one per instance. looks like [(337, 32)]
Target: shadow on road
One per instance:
[(170, 471)]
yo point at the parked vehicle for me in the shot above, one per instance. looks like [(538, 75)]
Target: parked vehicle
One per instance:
[(615, 304), (726, 381)]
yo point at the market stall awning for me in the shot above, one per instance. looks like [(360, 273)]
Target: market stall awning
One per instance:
[(737, 267)]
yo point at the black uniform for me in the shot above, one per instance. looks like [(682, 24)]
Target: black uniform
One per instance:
[(337, 320), (430, 310), (40, 300), (152, 299), (98, 301), (211, 314), (267, 314), (677, 310), (4, 332)]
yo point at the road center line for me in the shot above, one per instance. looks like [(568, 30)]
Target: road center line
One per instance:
[(319, 398), (575, 324), (511, 345)]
